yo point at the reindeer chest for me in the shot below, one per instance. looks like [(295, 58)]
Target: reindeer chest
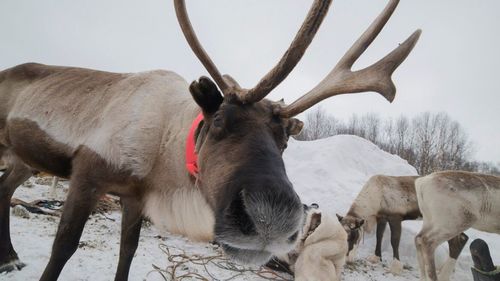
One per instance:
[(181, 211)]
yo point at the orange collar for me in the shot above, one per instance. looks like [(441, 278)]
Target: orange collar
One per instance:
[(191, 156)]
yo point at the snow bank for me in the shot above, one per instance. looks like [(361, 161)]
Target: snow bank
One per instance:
[(329, 172)]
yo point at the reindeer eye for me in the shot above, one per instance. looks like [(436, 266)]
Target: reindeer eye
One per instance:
[(293, 237), (218, 120)]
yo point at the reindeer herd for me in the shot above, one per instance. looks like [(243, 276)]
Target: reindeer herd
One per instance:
[(127, 134), (448, 202)]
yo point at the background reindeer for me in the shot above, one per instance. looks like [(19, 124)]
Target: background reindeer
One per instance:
[(382, 200), (125, 134), (322, 250), (452, 202)]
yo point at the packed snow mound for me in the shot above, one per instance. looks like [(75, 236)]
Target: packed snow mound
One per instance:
[(331, 171)]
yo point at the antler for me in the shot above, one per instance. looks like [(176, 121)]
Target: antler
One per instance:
[(275, 76), (377, 77), (194, 43), (294, 53)]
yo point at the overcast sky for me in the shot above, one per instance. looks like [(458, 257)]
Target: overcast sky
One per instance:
[(453, 68)]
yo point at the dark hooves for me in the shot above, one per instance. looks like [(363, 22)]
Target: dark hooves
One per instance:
[(11, 266)]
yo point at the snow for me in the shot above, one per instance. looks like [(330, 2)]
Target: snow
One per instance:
[(329, 172)]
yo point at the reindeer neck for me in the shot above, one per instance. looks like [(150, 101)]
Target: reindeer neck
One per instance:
[(363, 207)]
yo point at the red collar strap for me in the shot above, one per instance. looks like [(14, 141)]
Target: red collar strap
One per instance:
[(191, 156)]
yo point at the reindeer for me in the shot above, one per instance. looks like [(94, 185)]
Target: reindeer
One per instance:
[(126, 133), (382, 200), (452, 202), (320, 252)]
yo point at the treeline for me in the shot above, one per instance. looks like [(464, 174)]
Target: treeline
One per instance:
[(429, 141)]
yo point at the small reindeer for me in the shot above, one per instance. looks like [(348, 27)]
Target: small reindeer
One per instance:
[(321, 251), (382, 200), (452, 202)]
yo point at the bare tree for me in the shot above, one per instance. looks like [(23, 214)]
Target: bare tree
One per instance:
[(371, 124), (439, 143), (429, 141), (319, 124)]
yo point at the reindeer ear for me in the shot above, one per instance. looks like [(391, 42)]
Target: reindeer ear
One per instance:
[(294, 126), (339, 217), (206, 94), (315, 221)]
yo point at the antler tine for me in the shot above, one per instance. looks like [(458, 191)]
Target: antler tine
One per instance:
[(194, 43), (366, 39), (377, 77), (292, 56)]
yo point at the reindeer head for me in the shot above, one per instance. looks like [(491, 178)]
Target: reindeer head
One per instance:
[(243, 136), (352, 225)]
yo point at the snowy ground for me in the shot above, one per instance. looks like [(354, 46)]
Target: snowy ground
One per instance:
[(329, 172)]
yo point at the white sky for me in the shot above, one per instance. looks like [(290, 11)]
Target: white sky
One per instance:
[(453, 67)]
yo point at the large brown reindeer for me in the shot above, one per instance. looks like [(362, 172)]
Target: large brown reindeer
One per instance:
[(126, 134), (452, 202)]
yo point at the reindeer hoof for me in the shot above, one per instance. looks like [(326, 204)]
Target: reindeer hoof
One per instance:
[(396, 267), (350, 258), (12, 265), (373, 259), (446, 269)]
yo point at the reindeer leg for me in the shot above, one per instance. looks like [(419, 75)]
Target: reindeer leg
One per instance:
[(86, 187), (456, 245), (426, 255), (15, 175), (431, 239), (429, 249), (131, 228), (419, 245), (395, 225), (381, 225), (339, 266)]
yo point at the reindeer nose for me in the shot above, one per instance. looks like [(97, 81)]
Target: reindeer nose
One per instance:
[(238, 214)]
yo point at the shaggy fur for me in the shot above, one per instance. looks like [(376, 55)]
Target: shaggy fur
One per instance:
[(452, 202), (320, 253), (323, 252), (125, 134)]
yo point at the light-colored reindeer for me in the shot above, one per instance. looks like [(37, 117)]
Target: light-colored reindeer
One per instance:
[(383, 199), (321, 251), (452, 202), (126, 134)]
